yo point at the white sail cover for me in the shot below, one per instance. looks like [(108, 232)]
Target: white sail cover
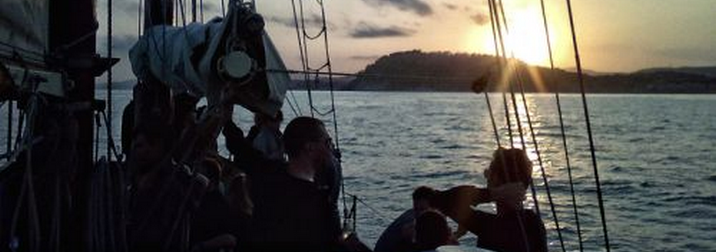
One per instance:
[(24, 26), (182, 61)]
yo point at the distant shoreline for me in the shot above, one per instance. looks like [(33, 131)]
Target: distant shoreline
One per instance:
[(417, 71)]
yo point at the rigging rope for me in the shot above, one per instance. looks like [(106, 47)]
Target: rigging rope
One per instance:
[(304, 57), (487, 96), (139, 18), (496, 22), (520, 84), (589, 126), (109, 77), (303, 44), (27, 188), (561, 126), (493, 22), (10, 114)]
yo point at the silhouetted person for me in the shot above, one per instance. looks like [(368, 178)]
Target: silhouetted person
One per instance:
[(214, 224), (291, 211), (265, 135), (400, 233), (432, 231), (161, 194), (512, 228)]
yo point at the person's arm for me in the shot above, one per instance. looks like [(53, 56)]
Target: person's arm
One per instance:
[(219, 242), (245, 155), (456, 202)]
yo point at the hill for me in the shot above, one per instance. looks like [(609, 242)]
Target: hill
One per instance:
[(707, 71), (444, 71)]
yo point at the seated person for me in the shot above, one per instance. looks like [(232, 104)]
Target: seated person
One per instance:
[(432, 231), (291, 211), (401, 232), (214, 225), (158, 193), (512, 228)]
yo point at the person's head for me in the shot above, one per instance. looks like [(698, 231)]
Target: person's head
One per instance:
[(509, 166), (306, 137), (432, 230), (421, 198), (149, 145)]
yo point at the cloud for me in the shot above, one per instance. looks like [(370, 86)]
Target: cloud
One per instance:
[(365, 57), (450, 6), (480, 19), (417, 6), (313, 20), (365, 30)]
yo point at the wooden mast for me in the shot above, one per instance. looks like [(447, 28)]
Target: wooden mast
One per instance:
[(72, 49), (69, 21)]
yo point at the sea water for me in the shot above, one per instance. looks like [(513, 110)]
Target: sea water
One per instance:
[(655, 154)]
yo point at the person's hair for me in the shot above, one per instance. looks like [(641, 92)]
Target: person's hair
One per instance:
[(511, 165), (431, 230), (299, 132), (423, 193)]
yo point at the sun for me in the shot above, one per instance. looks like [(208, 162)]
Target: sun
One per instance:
[(526, 38)]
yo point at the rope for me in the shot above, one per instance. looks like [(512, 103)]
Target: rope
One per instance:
[(27, 188), (303, 49), (15, 49), (494, 22), (561, 126), (492, 120), (304, 53), (10, 115), (589, 126), (371, 208), (510, 67), (109, 76), (536, 146), (110, 138), (495, 18), (290, 104), (541, 166), (98, 124), (529, 122), (139, 18), (193, 10)]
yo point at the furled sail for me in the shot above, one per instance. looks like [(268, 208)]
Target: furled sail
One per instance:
[(24, 28), (203, 59)]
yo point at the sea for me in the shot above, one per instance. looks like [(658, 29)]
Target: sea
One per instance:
[(655, 158)]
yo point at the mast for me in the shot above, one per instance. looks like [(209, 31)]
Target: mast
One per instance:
[(72, 38), (69, 21)]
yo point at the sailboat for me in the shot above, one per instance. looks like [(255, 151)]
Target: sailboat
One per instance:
[(51, 178)]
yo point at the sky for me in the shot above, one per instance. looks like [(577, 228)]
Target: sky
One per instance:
[(612, 35)]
